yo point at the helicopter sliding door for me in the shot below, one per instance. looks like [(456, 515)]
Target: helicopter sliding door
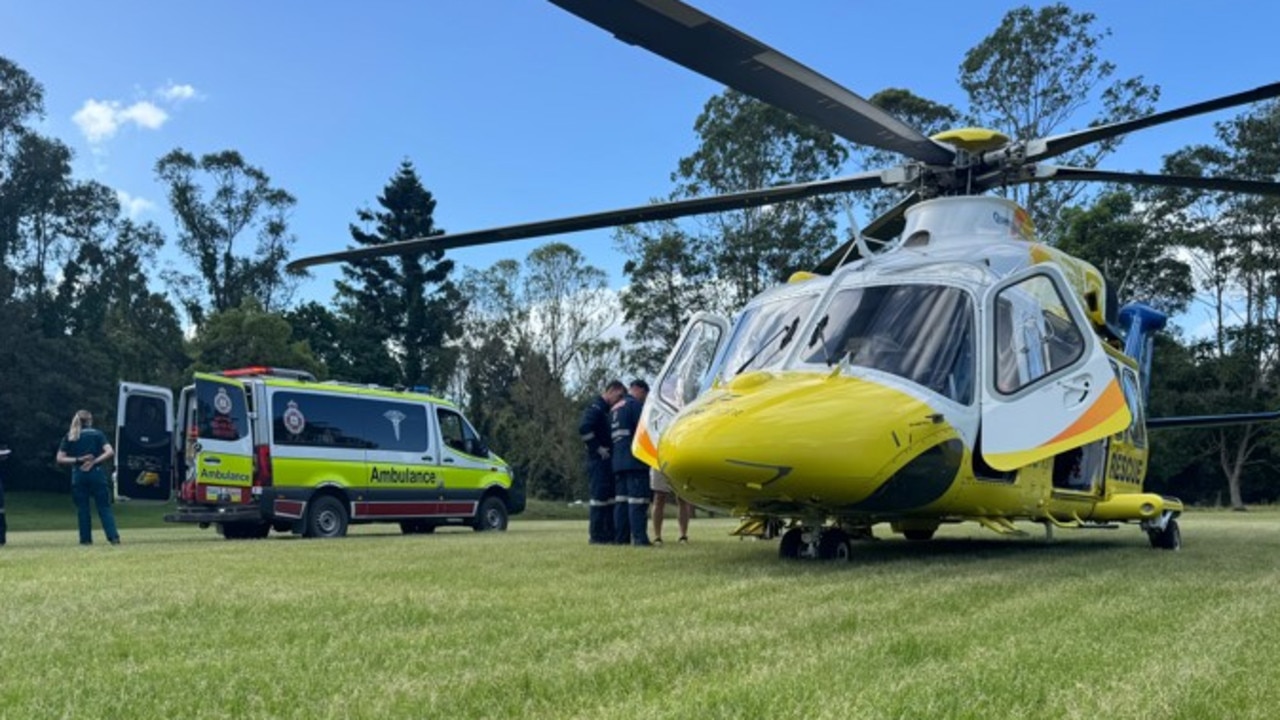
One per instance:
[(1049, 384), (683, 378)]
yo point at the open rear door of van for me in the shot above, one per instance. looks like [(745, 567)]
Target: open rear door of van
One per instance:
[(144, 442)]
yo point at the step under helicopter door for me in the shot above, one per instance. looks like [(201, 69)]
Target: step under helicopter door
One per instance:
[(1049, 384), (684, 376)]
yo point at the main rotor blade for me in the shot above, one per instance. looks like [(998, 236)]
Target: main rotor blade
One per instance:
[(1045, 173), (609, 218), (1058, 144), (689, 37), (885, 227)]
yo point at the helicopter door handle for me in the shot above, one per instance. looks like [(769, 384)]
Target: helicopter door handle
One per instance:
[(1081, 385)]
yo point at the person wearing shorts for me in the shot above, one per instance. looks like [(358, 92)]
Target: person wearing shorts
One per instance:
[(661, 486)]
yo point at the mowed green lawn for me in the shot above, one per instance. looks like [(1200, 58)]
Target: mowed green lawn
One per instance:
[(178, 623)]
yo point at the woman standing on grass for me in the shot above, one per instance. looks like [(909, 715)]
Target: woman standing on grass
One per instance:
[(86, 449)]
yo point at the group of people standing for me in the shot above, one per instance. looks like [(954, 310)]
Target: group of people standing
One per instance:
[(86, 450), (621, 486)]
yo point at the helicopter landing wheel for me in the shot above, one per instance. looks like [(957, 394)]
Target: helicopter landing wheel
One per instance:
[(799, 543), (790, 545), (834, 544), (1167, 538)]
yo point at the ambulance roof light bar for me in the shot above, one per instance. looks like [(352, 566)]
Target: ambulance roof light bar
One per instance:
[(288, 373)]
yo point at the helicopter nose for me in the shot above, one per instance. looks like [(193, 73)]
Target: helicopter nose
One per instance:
[(770, 440)]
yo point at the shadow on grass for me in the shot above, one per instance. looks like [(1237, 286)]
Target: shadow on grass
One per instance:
[(949, 552)]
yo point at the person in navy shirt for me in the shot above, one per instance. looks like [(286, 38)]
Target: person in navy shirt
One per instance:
[(630, 474), (85, 448)]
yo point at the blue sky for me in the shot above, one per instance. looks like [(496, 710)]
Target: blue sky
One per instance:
[(514, 110)]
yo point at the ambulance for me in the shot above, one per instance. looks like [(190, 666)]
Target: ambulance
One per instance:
[(257, 449)]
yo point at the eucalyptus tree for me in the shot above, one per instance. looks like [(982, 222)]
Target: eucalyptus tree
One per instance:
[(718, 262), (1033, 76), (1124, 239), (215, 222), (1234, 241)]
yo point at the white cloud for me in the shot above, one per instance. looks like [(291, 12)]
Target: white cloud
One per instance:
[(134, 206), (176, 93), (100, 120), (145, 114)]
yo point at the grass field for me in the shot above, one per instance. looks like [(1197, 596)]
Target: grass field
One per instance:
[(534, 623)]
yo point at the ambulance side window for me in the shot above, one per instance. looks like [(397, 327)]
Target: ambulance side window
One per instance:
[(324, 420), (458, 435)]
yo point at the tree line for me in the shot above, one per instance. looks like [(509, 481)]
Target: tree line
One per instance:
[(524, 344)]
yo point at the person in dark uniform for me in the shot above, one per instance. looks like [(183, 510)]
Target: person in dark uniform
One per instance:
[(628, 471), (4, 524), (594, 429), (85, 448)]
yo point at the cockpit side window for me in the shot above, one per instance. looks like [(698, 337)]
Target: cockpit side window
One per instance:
[(1035, 334), (762, 334), (683, 381)]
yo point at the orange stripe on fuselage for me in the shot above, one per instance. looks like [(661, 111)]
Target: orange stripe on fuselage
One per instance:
[(1111, 400), (646, 443)]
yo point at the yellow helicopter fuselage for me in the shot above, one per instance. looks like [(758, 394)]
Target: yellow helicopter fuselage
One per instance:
[(959, 376)]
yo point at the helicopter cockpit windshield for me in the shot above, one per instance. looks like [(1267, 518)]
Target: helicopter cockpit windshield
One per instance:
[(923, 333), (763, 332)]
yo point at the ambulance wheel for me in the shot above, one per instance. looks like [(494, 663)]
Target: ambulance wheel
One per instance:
[(1170, 538), (326, 518), (492, 515)]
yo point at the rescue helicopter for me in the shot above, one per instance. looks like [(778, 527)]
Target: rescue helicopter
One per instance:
[(942, 366)]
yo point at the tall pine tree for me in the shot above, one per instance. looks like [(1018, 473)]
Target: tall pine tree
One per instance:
[(409, 299)]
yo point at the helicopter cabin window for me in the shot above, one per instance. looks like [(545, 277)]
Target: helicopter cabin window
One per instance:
[(763, 332), (1035, 334), (923, 333), (683, 381), (1133, 395)]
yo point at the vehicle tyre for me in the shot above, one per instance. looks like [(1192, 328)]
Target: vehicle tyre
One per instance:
[(326, 518), (1168, 539), (789, 546), (833, 544), (491, 515), (919, 535)]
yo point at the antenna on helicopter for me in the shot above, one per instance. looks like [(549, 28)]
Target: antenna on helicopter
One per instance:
[(854, 232)]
